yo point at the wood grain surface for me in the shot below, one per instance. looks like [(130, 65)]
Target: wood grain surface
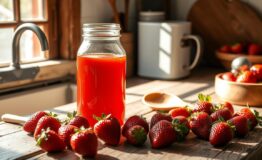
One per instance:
[(23, 145)]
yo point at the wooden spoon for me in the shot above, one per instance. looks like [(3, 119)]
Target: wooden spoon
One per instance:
[(163, 101), (115, 11)]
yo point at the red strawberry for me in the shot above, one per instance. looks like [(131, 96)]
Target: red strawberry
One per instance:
[(66, 132), (108, 129), (225, 49), (247, 77), (158, 117), (241, 125), (180, 111), (221, 133), (181, 126), (229, 76), (254, 49), (46, 122), (136, 135), (223, 113), (257, 70), (49, 141), (132, 121), (200, 124), (252, 116), (204, 104), (30, 124), (237, 48), (162, 134), (229, 106), (85, 143), (77, 120)]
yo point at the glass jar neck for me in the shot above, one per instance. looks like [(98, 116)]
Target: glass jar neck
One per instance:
[(98, 39), (101, 31)]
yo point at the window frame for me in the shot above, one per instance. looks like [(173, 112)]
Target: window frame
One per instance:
[(49, 24), (63, 41)]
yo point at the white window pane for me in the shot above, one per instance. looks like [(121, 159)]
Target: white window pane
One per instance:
[(32, 9), (6, 45), (6, 10), (30, 48)]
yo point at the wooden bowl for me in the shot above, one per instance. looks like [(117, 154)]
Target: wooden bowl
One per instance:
[(227, 58), (238, 93)]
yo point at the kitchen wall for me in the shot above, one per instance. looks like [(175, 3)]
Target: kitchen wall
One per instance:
[(100, 11)]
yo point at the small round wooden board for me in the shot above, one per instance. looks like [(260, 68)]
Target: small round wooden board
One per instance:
[(221, 22)]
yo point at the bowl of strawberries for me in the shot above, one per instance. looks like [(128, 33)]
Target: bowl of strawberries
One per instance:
[(242, 86), (227, 53)]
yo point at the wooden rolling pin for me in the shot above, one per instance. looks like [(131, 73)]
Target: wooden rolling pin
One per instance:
[(11, 118)]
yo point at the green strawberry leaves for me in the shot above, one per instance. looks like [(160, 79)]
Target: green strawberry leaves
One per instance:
[(204, 98), (103, 116), (70, 116), (181, 129), (43, 136)]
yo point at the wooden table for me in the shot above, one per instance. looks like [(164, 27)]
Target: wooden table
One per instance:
[(16, 144)]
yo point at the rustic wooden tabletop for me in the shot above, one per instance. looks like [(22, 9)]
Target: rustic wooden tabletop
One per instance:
[(17, 144)]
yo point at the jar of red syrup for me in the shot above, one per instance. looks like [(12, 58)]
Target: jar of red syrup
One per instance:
[(101, 72)]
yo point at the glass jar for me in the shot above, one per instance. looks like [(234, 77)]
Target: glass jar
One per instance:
[(101, 72)]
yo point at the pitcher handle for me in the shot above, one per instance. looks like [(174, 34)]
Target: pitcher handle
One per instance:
[(199, 48)]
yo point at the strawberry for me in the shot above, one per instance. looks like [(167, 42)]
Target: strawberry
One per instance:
[(200, 124), (180, 111), (181, 126), (85, 143), (108, 129), (237, 48), (76, 120), (158, 117), (247, 77), (136, 135), (225, 49), (257, 70), (132, 121), (46, 122), (30, 124), (162, 134), (223, 113), (254, 49), (49, 141), (252, 116), (221, 133), (241, 124), (65, 133), (229, 76), (204, 104), (229, 106)]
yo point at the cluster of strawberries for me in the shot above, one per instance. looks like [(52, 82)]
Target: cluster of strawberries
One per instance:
[(216, 123), (245, 74), (242, 48)]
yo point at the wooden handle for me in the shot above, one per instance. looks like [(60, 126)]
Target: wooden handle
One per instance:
[(11, 118), (126, 15), (115, 11)]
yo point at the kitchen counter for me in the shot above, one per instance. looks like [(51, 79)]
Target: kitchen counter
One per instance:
[(17, 144)]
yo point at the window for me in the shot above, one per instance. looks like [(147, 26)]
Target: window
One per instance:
[(15, 12), (61, 22)]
